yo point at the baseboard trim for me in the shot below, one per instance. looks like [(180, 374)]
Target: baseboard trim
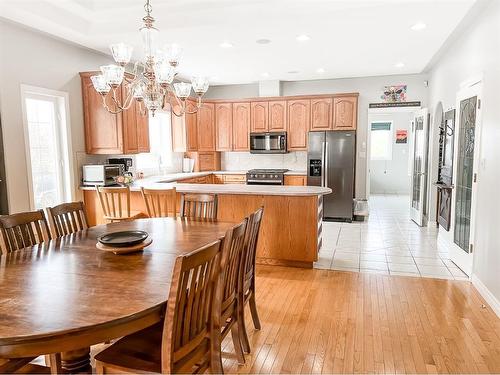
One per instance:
[(486, 294)]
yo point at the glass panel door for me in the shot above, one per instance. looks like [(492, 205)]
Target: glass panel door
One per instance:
[(418, 206), (465, 175)]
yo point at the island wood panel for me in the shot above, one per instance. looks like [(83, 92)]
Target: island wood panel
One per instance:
[(277, 116), (206, 127), (321, 114), (259, 117), (241, 126), (289, 230), (299, 118), (223, 127), (289, 234)]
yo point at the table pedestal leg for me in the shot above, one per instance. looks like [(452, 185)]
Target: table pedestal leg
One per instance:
[(76, 361)]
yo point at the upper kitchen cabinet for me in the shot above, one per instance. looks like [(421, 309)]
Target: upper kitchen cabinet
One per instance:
[(299, 119), (191, 120), (224, 126), (277, 116), (179, 136), (321, 114), (259, 117), (241, 126), (206, 127), (345, 112), (107, 133), (103, 130)]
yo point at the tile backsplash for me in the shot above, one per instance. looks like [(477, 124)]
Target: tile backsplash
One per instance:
[(237, 161)]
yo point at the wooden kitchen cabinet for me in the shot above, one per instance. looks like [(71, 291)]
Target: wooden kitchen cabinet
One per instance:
[(179, 136), (223, 126), (259, 117), (241, 126), (107, 133), (295, 180), (299, 119), (321, 114), (277, 116), (345, 112), (206, 127), (103, 130), (191, 121)]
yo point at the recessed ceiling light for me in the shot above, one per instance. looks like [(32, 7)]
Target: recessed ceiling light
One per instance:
[(263, 41), (303, 38), (399, 65), (265, 74), (225, 45), (292, 71), (320, 70), (419, 26)]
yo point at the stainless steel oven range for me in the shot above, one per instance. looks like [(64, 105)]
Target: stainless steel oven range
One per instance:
[(266, 176)]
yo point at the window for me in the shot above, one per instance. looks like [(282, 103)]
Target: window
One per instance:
[(381, 140), (47, 147), (160, 157)]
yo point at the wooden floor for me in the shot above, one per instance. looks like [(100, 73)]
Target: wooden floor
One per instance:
[(320, 321)]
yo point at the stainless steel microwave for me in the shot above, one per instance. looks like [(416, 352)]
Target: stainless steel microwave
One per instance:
[(268, 143), (102, 175)]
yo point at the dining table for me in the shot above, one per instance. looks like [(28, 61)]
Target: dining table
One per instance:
[(66, 295)]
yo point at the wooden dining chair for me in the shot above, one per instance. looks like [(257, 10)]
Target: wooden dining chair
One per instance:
[(67, 218), (234, 242), (115, 203), (19, 231), (185, 341), (160, 203), (247, 274), (199, 206), (22, 230)]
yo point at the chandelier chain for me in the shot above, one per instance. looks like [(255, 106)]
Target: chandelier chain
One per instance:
[(148, 8)]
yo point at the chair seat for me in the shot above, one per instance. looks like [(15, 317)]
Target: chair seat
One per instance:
[(138, 352)]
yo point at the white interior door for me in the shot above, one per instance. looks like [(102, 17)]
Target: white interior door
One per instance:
[(465, 176), (418, 193)]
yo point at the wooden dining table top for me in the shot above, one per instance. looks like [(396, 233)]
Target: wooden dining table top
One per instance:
[(69, 289)]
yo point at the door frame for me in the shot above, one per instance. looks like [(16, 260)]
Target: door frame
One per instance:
[(465, 261), (63, 121), (379, 111), (421, 219)]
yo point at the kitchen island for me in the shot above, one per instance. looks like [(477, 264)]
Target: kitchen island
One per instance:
[(292, 224)]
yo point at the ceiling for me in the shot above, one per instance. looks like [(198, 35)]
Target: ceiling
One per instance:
[(348, 38)]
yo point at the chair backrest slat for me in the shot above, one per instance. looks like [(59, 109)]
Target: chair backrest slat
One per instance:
[(234, 243), (67, 218), (199, 206), (160, 203), (23, 230), (115, 202), (250, 252), (191, 318)]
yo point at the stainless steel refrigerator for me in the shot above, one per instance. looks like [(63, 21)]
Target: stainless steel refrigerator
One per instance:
[(331, 163)]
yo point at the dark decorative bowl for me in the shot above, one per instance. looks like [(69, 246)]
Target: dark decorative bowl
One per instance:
[(123, 239)]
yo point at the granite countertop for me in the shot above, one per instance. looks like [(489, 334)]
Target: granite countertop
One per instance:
[(166, 181)]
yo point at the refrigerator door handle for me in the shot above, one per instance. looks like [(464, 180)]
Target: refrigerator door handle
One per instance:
[(323, 169), (326, 164)]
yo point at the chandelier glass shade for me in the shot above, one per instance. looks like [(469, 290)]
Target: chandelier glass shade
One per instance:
[(149, 82)]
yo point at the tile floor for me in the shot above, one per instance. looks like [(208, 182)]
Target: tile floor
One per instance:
[(387, 243)]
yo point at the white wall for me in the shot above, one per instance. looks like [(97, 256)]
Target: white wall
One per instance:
[(391, 176), (369, 88), (474, 50), (242, 161), (28, 57)]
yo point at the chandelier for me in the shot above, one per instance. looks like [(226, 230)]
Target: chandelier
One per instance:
[(151, 82)]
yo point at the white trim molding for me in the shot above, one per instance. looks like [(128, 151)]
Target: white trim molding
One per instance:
[(486, 294)]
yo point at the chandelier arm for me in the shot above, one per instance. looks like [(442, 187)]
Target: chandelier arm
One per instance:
[(106, 106), (172, 108)]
